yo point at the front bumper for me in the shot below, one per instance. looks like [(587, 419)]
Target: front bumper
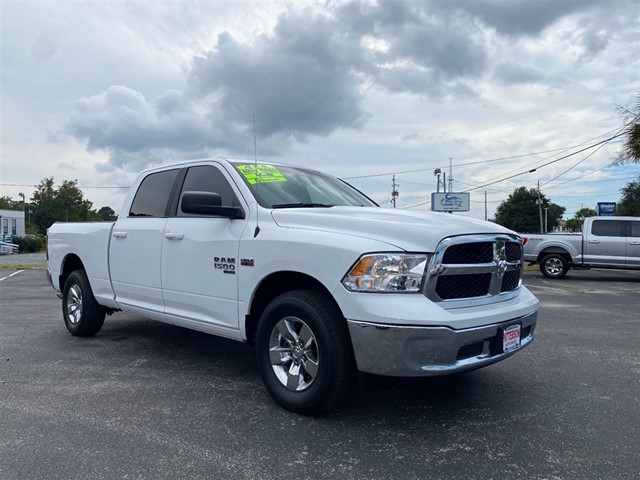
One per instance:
[(409, 351)]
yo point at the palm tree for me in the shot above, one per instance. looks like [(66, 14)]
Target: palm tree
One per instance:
[(631, 149)]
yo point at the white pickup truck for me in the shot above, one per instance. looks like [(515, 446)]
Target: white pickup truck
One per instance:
[(606, 242), (310, 270)]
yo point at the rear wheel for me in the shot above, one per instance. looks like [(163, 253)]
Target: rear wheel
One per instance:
[(83, 315), (304, 352), (554, 265)]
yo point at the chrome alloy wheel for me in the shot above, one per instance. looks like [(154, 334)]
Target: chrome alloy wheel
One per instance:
[(74, 304), (554, 266), (293, 352)]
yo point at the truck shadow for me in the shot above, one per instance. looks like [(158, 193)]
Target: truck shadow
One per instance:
[(174, 352)]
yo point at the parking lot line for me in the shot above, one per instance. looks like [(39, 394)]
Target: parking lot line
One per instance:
[(9, 276)]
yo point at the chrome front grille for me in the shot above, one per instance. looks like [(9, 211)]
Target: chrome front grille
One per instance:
[(475, 270)]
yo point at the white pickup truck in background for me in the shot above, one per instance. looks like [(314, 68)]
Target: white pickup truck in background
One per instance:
[(310, 270), (606, 242)]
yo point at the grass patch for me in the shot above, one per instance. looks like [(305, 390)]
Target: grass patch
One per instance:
[(23, 266)]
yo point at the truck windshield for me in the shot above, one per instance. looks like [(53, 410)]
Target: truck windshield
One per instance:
[(280, 186)]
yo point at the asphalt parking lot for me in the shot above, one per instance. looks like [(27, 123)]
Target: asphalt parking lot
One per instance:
[(145, 400)]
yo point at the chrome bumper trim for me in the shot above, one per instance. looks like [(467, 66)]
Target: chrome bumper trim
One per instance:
[(408, 351)]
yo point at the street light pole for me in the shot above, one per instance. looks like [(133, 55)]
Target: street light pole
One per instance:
[(437, 173), (24, 215), (546, 228), (539, 203)]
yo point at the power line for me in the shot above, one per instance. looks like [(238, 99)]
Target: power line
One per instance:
[(602, 142), (584, 175), (494, 159), (36, 186), (458, 164), (607, 140)]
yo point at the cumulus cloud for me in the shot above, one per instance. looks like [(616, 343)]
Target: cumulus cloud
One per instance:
[(519, 17), (309, 76), (137, 131), (298, 82), (511, 72)]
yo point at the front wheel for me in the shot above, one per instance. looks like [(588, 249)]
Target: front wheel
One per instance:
[(554, 265), (83, 315), (304, 352)]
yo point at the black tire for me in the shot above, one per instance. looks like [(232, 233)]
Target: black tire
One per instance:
[(554, 265), (315, 370), (83, 315)]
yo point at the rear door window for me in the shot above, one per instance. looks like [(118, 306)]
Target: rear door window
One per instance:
[(153, 194), (608, 228)]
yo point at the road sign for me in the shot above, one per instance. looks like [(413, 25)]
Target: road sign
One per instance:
[(606, 209), (450, 202)]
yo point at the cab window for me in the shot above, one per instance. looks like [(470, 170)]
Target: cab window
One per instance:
[(206, 178), (608, 228), (153, 194)]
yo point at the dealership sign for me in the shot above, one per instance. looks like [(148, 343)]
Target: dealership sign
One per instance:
[(606, 209), (450, 202)]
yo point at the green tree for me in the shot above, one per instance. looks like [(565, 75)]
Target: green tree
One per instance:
[(106, 213), (630, 202), (575, 224), (631, 148), (520, 211), (7, 203), (44, 205), (64, 204), (71, 202)]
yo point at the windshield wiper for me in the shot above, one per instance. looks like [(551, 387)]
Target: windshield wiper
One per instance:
[(301, 205)]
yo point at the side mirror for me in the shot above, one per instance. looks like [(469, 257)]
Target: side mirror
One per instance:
[(208, 203)]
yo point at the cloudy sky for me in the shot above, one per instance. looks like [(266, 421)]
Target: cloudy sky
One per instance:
[(96, 91)]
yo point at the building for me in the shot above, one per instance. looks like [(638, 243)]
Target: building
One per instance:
[(11, 225), (561, 227)]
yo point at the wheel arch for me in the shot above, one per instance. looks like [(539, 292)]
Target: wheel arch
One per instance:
[(70, 264), (555, 249), (276, 284)]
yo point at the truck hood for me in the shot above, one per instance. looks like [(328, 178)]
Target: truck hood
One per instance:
[(405, 229)]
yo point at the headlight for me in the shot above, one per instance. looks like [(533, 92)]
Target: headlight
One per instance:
[(386, 272)]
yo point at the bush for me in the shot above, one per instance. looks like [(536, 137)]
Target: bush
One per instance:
[(30, 243)]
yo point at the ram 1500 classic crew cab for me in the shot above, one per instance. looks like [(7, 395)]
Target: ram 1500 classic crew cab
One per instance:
[(606, 242), (322, 280)]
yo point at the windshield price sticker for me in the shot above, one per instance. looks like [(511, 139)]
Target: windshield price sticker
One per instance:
[(511, 338), (261, 174)]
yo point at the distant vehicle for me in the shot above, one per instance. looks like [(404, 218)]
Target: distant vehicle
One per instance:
[(606, 242), (306, 267)]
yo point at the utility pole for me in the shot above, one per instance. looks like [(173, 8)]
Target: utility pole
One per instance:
[(539, 202), (24, 206), (450, 174), (546, 226), (485, 205), (444, 182), (394, 191)]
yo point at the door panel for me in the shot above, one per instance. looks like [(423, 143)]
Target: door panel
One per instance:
[(633, 244), (606, 244), (200, 255), (134, 259), (136, 244), (199, 269)]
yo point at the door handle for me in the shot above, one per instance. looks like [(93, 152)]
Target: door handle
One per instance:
[(634, 243), (174, 236), (594, 241), (120, 234)]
